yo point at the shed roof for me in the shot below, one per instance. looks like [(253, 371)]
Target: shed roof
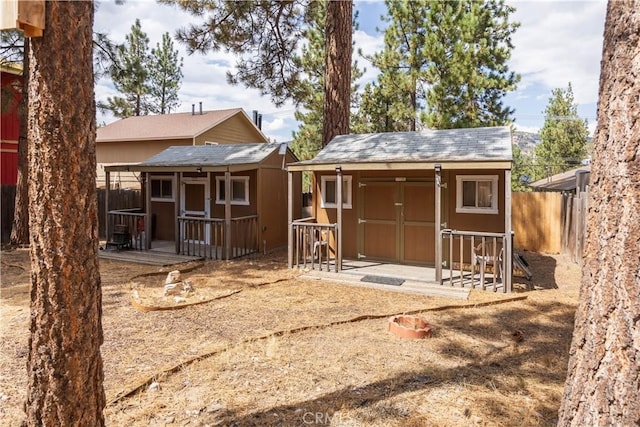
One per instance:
[(166, 126), (564, 181), (473, 145), (205, 157)]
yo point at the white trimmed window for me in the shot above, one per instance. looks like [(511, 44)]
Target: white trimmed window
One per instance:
[(329, 192), (477, 194), (239, 190), (162, 189)]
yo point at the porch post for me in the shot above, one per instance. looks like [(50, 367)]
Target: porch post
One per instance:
[(508, 243), (147, 217), (339, 218), (227, 214), (107, 188), (438, 220), (290, 219), (176, 206)]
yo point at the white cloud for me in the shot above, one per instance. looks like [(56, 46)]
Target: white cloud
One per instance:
[(558, 43), (204, 75), (368, 45)]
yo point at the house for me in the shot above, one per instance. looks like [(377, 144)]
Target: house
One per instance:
[(11, 78), (427, 198), (571, 181), (134, 139), (214, 201)]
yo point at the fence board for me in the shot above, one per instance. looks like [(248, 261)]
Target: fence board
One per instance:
[(118, 199), (537, 221), (550, 222)]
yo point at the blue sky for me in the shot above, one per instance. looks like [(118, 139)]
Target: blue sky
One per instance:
[(557, 43)]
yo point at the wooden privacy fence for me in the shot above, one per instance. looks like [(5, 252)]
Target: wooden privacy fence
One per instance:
[(118, 200), (550, 222)]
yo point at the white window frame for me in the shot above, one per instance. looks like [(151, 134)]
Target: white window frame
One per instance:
[(163, 178), (493, 209), (220, 181), (346, 194)]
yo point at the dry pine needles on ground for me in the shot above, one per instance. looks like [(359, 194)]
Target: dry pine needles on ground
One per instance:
[(283, 351)]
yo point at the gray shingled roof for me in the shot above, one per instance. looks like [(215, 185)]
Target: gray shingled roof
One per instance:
[(211, 155), (451, 145)]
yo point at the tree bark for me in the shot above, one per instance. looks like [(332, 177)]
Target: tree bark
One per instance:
[(20, 226), (603, 383), (65, 384), (337, 82)]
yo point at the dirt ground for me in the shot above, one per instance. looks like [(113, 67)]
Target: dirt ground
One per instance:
[(263, 347)]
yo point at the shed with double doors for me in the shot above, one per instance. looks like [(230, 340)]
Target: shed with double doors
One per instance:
[(434, 198)]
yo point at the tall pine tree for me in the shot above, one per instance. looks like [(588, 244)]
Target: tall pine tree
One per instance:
[(603, 382), (130, 74), (310, 95), (564, 135), (64, 366), (445, 62), (165, 74), (148, 80), (265, 36)]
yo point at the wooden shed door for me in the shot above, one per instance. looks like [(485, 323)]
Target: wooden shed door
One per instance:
[(418, 222), (195, 203), (396, 221), (378, 221)]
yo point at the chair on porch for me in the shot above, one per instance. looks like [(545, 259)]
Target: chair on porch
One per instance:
[(321, 243), (488, 253)]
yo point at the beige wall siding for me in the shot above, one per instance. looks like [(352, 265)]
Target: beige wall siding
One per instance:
[(493, 223), (163, 220), (236, 129), (217, 210), (133, 151), (459, 221)]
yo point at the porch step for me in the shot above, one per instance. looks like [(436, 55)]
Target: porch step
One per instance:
[(407, 286)]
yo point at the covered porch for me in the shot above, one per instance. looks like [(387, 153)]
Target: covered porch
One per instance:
[(196, 237), (207, 201), (439, 201)]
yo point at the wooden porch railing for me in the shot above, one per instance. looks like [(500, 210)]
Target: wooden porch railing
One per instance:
[(314, 244), (131, 220), (206, 237), (202, 237), (471, 258)]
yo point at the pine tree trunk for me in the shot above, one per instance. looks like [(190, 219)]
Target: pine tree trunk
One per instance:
[(603, 383), (20, 226), (337, 82), (65, 384)]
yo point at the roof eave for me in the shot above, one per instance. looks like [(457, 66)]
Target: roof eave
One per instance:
[(162, 138), (183, 168), (332, 166)]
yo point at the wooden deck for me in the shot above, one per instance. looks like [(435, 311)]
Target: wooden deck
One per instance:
[(404, 278), (390, 277), (161, 254)]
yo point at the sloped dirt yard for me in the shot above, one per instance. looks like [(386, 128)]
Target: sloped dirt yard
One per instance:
[(263, 347)]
